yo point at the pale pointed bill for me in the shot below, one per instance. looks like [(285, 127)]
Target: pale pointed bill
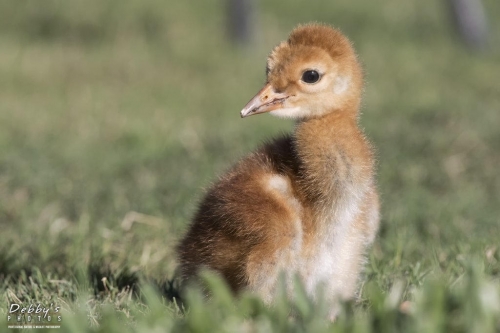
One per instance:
[(266, 100)]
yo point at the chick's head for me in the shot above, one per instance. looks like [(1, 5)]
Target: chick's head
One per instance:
[(313, 73)]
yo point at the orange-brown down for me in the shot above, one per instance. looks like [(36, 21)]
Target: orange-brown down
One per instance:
[(305, 204)]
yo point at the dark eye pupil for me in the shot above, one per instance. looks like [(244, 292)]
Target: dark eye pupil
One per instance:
[(310, 76)]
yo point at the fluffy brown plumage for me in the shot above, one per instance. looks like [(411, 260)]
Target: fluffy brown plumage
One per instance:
[(303, 204)]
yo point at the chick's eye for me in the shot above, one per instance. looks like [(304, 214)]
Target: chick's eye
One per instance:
[(310, 76)]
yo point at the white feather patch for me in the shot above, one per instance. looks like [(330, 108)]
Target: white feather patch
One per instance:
[(288, 113), (341, 84)]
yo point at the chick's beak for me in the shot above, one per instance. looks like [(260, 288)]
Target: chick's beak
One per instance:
[(266, 100)]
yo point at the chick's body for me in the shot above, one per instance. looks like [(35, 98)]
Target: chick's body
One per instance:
[(302, 204)]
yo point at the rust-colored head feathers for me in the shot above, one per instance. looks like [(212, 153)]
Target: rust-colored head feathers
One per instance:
[(313, 73), (322, 36)]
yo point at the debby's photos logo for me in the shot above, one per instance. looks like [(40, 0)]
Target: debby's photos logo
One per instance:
[(35, 315)]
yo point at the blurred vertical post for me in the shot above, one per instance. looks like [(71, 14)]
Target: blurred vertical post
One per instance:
[(470, 20), (240, 21)]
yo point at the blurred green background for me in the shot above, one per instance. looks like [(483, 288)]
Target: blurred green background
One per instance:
[(113, 107)]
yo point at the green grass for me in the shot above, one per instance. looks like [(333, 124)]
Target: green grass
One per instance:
[(110, 108)]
